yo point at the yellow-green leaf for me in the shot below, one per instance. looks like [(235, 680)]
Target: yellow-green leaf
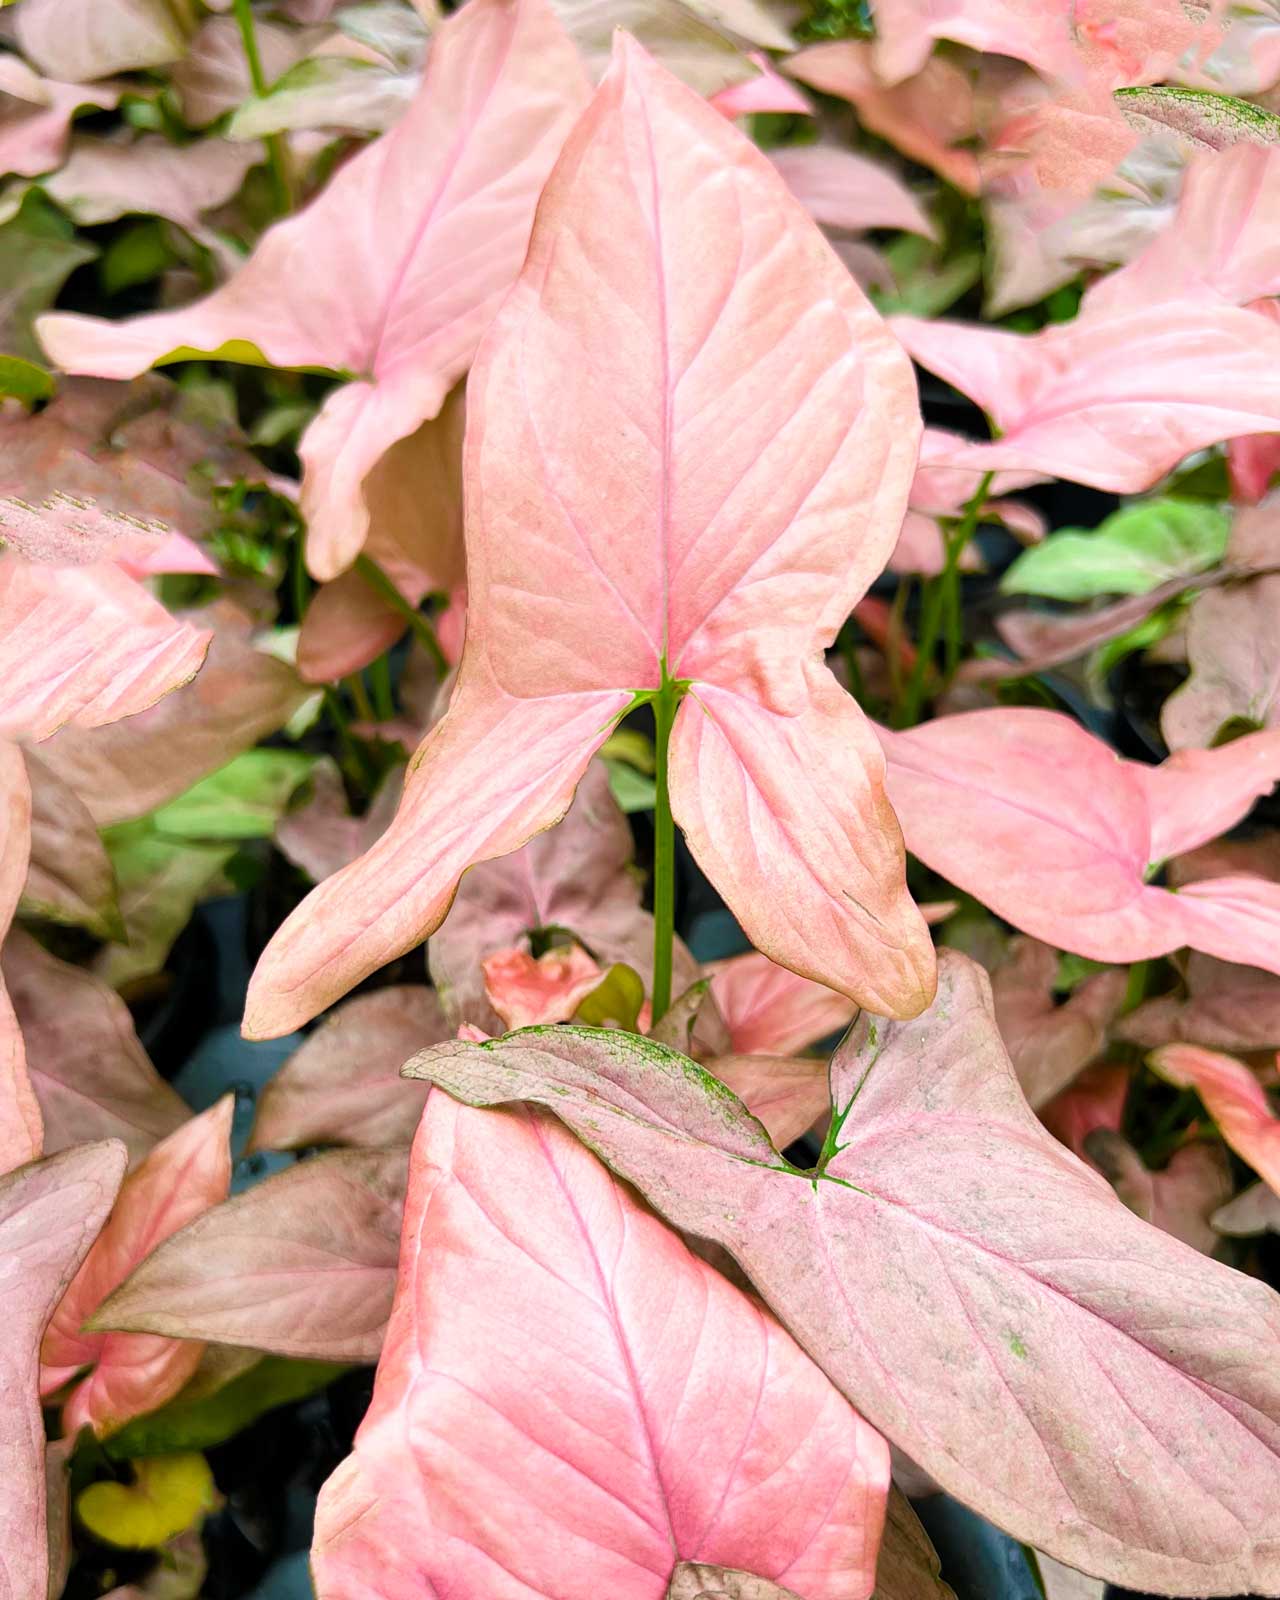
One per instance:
[(168, 1494)]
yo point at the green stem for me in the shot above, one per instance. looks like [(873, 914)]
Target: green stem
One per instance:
[(380, 677), (277, 154), (354, 756), (423, 632), (360, 698), (1135, 990), (665, 703), (301, 582), (935, 605)]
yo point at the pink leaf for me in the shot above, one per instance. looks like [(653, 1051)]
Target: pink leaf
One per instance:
[(431, 222), (133, 1373), (240, 695), (90, 1074), (524, 991), (950, 1247), (69, 876), (106, 179), (84, 645), (1233, 649), (767, 91), (1222, 241), (1254, 1210), (578, 876), (50, 1214), (1233, 1097), (655, 1416), (1050, 1043), (344, 1085), (1226, 1007), (321, 836), (213, 76), (1054, 833), (79, 39), (723, 477), (1111, 399), (21, 1127), (1179, 1199), (787, 1094), (925, 117), (37, 116), (843, 190), (1028, 30), (302, 1265), (772, 1012), (1095, 1100)]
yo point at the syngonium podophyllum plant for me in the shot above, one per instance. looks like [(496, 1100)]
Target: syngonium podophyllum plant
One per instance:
[(624, 1345)]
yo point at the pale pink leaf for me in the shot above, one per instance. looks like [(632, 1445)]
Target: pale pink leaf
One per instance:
[(841, 189), (69, 875), (1233, 650), (656, 1415), (1254, 461), (926, 118), (36, 115), (1255, 1210), (1053, 832), (1041, 640), (80, 39), (343, 1086), (768, 91), (50, 1214), (696, 42), (213, 77), (1226, 1007), (128, 769), (134, 1373), (1028, 30), (106, 179), (726, 475), (302, 1265), (951, 1247), (1178, 1199), (524, 990), (321, 836), (1235, 1099), (786, 1094), (1222, 242), (21, 1127), (1050, 1043), (770, 1011), (1111, 399), (85, 645), (431, 222), (90, 1073)]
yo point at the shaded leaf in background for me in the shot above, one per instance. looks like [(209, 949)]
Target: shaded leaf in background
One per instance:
[(39, 250), (81, 39), (166, 1496), (1133, 551), (1233, 650), (160, 883), (1233, 1096), (243, 800)]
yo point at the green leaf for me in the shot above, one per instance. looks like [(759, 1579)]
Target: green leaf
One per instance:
[(631, 789), (1206, 120), (929, 280), (243, 800), (205, 1420), (615, 1000), (39, 251), (167, 1495), (136, 255), (24, 380), (1135, 550), (160, 881), (633, 747)]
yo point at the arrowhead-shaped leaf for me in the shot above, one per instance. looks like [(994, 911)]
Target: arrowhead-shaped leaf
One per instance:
[(656, 1414), (1051, 830), (131, 1373), (344, 1085), (303, 1264), (1076, 400), (50, 1214), (950, 1261), (906, 31), (1233, 1097), (729, 471), (91, 1076), (428, 227)]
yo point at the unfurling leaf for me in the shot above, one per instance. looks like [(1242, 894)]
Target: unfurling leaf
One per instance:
[(167, 1495), (1016, 1284)]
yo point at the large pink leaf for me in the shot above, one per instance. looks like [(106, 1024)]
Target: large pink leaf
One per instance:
[(69, 875), (1223, 240), (655, 1414), (980, 1295), (1233, 1097), (50, 1214), (1233, 650), (429, 226), (133, 1373), (1045, 825), (90, 1074), (723, 477), (37, 116), (344, 1085), (303, 1265), (1049, 1043), (1113, 398), (240, 695), (772, 1012), (926, 117), (21, 1128), (577, 876), (84, 645)]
